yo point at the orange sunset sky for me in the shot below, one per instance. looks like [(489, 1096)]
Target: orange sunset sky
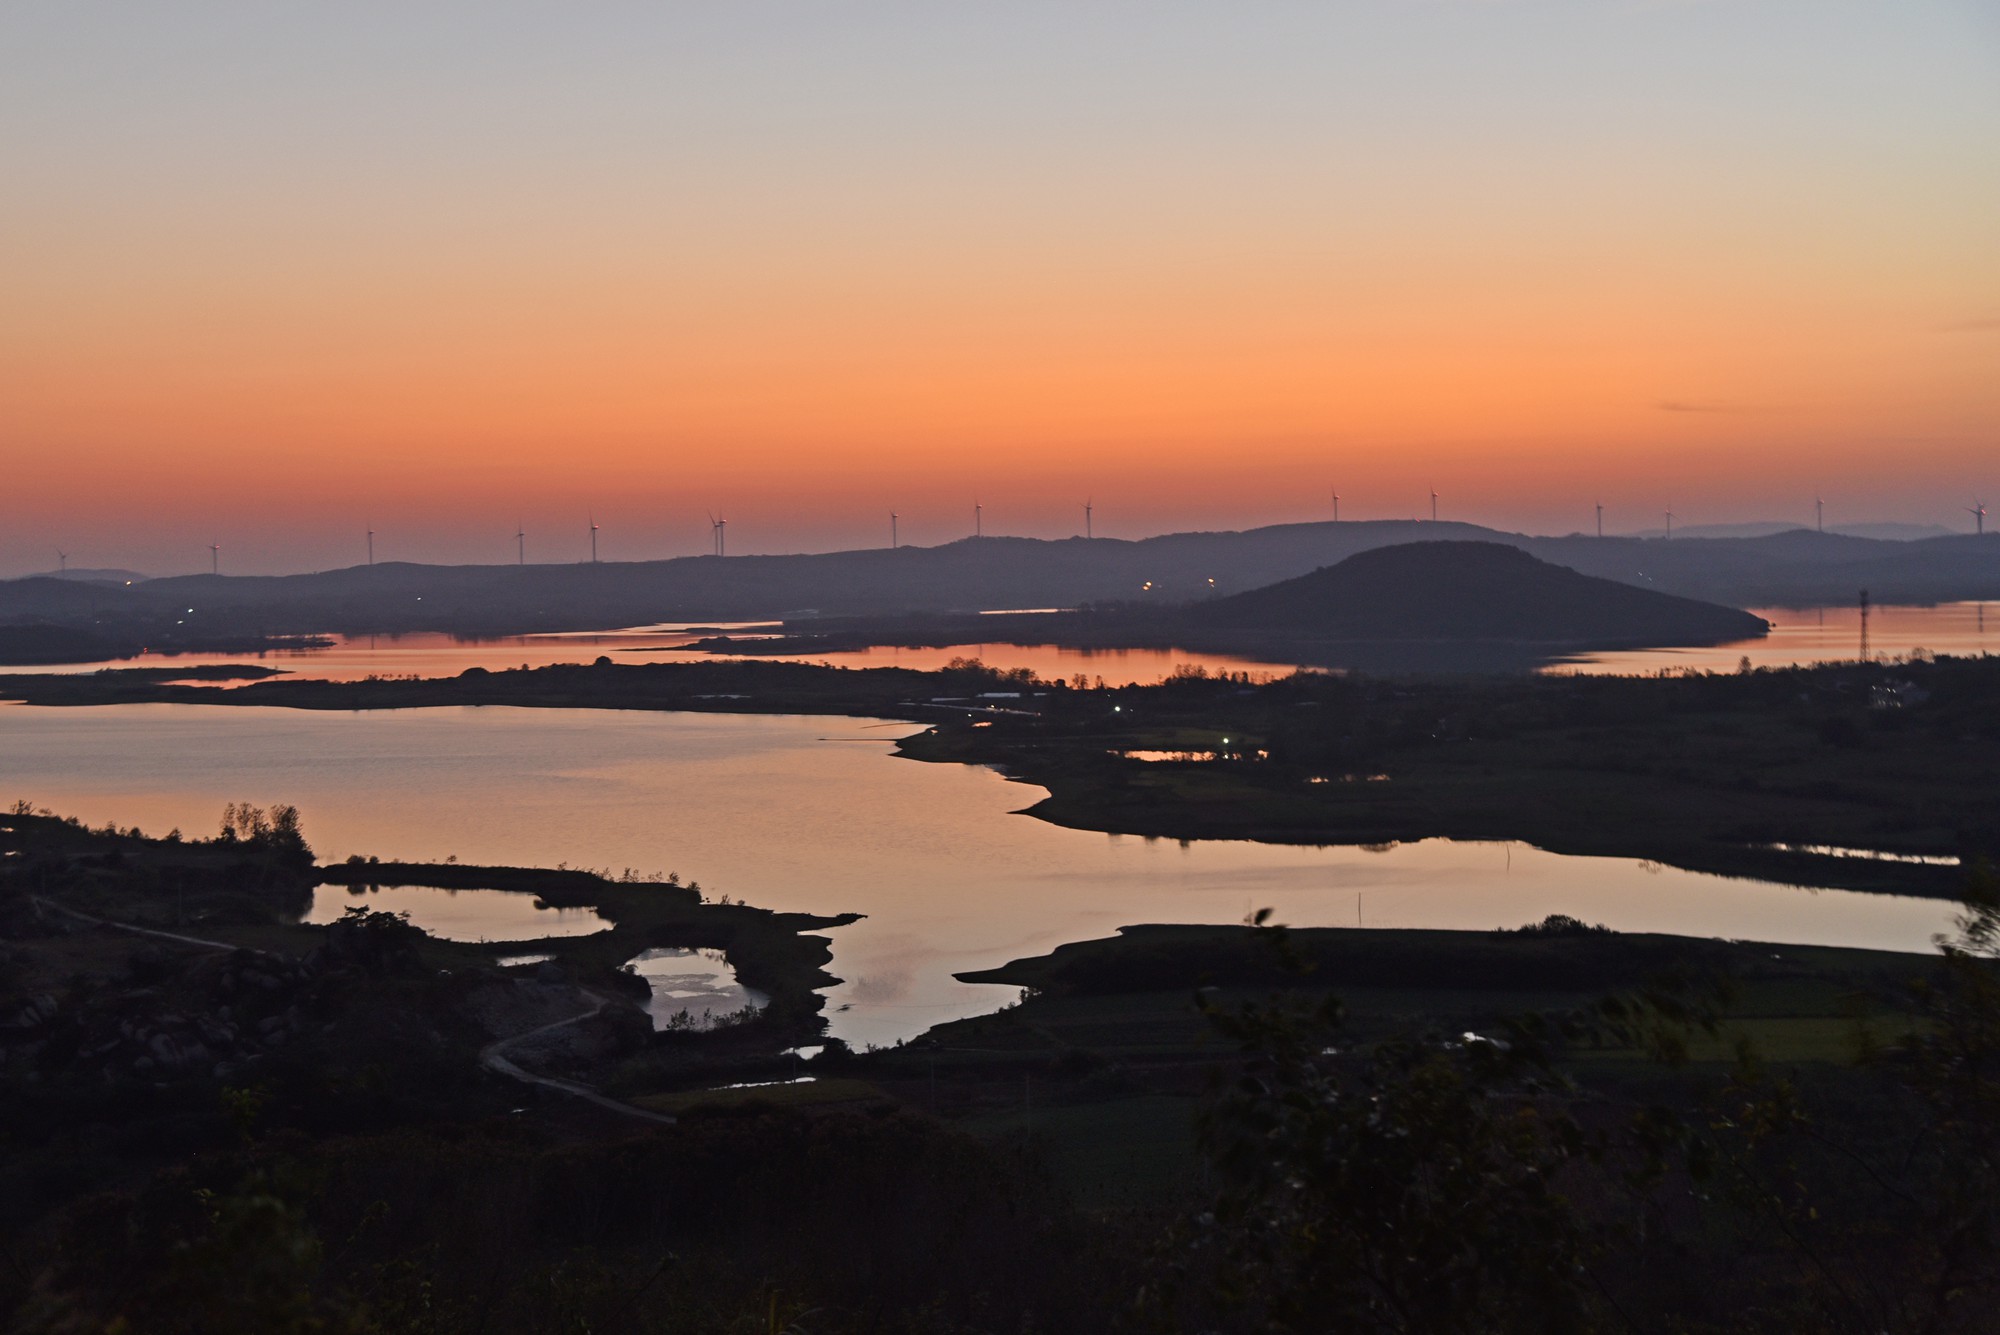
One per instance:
[(269, 275)]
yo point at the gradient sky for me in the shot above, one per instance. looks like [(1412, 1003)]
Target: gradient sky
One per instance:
[(269, 273)]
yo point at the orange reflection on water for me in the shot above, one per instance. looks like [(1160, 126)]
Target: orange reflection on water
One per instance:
[(1818, 635), (355, 657)]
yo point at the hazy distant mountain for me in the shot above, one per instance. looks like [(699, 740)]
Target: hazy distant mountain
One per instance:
[(1893, 532), (1752, 529), (1794, 568), (1765, 528), (1471, 591)]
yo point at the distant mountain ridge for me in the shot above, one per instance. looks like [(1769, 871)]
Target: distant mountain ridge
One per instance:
[(90, 575), (1886, 532), (1792, 568)]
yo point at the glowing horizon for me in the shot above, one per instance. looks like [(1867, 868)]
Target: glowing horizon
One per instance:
[(273, 276)]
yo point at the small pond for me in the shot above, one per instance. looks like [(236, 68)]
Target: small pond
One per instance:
[(459, 915), (693, 989)]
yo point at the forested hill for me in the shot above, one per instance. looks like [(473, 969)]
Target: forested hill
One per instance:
[(1471, 591)]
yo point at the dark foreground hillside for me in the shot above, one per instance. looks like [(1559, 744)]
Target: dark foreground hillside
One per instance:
[(299, 1131)]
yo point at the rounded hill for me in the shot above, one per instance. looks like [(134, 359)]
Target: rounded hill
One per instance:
[(1472, 591)]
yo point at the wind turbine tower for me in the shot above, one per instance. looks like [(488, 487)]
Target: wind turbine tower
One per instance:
[(215, 558), (1819, 514), (1978, 512), (1670, 525), (593, 539), (520, 543), (894, 542), (978, 520), (1600, 519), (62, 561), (371, 544), (1434, 505), (1087, 533), (1336, 506), (718, 534)]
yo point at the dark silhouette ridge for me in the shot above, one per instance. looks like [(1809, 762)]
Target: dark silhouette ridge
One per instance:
[(1470, 591), (1799, 568), (31, 644), (1442, 606)]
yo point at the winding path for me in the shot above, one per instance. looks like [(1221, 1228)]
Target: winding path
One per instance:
[(492, 1057), (175, 937)]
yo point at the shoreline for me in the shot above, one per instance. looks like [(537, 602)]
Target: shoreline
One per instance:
[(1716, 801)]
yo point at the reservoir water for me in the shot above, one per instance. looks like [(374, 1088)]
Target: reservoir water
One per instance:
[(459, 915), (813, 814), (1819, 635), (1810, 635), (354, 657)]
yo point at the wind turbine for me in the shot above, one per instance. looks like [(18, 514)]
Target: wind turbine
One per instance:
[(62, 561), (1087, 533), (215, 558), (1600, 519), (1336, 505), (718, 532), (1670, 525), (1978, 512), (371, 544), (1819, 514), (894, 542), (978, 520), (520, 543), (593, 539), (1434, 505)]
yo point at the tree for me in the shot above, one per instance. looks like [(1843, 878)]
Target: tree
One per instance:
[(1414, 1186)]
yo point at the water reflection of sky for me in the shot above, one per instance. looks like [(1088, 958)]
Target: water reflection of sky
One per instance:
[(353, 657), (458, 915), (1822, 635), (700, 984), (1799, 636), (762, 809)]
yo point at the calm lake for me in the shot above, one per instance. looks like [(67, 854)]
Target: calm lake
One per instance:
[(812, 814), (354, 657), (1821, 635), (1814, 635)]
